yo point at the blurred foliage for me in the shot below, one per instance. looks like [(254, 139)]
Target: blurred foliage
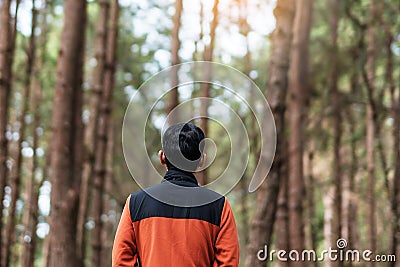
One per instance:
[(143, 50)]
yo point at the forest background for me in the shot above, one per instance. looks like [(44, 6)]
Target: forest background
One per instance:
[(329, 69)]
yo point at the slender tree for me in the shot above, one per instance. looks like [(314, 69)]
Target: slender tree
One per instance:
[(355, 55), (17, 168), (173, 100), (90, 137), (336, 123), (351, 217), (282, 213), (370, 121), (102, 136), (31, 210), (245, 28), (201, 34), (310, 191), (267, 195), (395, 112), (5, 87), (299, 91), (107, 233), (205, 87), (66, 139)]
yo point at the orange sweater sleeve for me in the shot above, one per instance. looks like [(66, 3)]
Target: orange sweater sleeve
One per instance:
[(124, 252), (227, 243)]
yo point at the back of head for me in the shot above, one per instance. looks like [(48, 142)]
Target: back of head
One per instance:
[(183, 146)]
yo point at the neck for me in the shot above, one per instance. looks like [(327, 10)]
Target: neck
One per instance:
[(174, 174)]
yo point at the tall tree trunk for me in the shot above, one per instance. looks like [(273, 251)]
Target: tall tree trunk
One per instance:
[(396, 180), (31, 212), (5, 88), (371, 181), (244, 29), (30, 217), (396, 147), (66, 139), (205, 87), (310, 190), (90, 137), (299, 91), (352, 210), (327, 198), (46, 252), (282, 214), (101, 146), (195, 56), (173, 100), (48, 9), (370, 135), (267, 195), (351, 216), (17, 168), (108, 227), (352, 229), (336, 124)]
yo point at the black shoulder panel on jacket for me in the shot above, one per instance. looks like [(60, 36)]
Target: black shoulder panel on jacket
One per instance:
[(142, 205)]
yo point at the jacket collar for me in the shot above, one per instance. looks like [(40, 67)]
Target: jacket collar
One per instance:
[(180, 177)]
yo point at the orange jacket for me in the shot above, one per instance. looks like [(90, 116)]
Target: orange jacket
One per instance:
[(152, 233)]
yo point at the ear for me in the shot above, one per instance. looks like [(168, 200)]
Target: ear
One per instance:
[(161, 156), (202, 160)]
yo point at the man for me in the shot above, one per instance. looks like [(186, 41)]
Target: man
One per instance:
[(177, 222)]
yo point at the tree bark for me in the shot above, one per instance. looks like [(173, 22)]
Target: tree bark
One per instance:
[(101, 146), (353, 236), (15, 178), (395, 112), (5, 88), (66, 139), (244, 29), (108, 227), (351, 218), (327, 198), (299, 91), (31, 212), (46, 252), (90, 131), (205, 87), (370, 135), (282, 214), (310, 191), (173, 100), (267, 195), (336, 124)]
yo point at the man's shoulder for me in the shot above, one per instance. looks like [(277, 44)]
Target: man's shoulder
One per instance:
[(164, 201), (176, 195)]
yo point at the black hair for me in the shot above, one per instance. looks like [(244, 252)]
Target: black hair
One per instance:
[(190, 145)]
